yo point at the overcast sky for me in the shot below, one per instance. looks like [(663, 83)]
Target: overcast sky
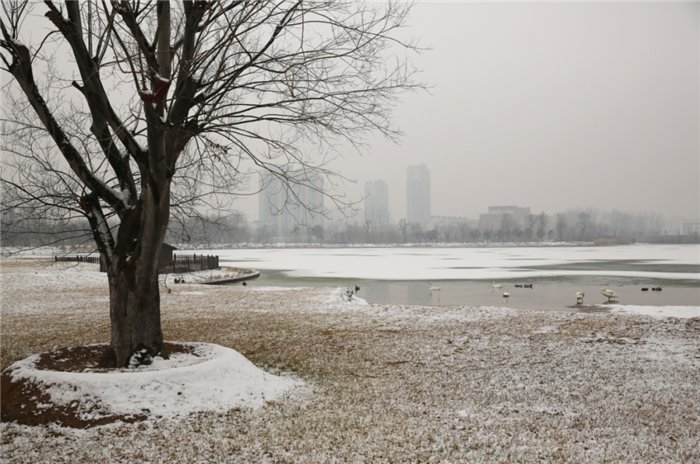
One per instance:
[(552, 105)]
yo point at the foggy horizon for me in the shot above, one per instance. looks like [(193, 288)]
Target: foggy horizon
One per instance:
[(551, 106)]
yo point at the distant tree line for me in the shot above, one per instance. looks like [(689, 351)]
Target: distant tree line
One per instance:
[(19, 228), (234, 229), (210, 231), (570, 226)]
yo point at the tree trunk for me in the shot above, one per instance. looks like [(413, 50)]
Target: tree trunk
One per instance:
[(133, 278), (135, 314)]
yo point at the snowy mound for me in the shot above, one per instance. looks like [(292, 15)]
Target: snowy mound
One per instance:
[(211, 378), (344, 295), (681, 312)]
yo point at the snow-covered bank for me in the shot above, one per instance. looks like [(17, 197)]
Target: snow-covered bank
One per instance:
[(387, 383), (683, 312)]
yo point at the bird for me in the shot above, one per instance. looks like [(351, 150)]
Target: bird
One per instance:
[(656, 289), (434, 289), (611, 295), (579, 296), (506, 295), (645, 289), (495, 286)]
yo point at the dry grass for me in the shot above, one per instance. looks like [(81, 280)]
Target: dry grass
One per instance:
[(394, 384)]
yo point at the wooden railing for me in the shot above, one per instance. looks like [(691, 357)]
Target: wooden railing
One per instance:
[(78, 259), (189, 263), (178, 265)]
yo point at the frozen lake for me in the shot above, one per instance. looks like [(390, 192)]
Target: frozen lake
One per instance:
[(404, 275)]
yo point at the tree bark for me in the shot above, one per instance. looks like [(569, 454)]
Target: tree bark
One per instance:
[(135, 314), (133, 278)]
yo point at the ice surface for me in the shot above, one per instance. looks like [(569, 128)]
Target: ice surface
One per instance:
[(463, 263)]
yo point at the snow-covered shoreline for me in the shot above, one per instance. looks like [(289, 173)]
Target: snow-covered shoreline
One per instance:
[(495, 261), (386, 383)]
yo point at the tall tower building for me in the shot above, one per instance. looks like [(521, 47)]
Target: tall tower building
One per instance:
[(418, 195), (377, 203)]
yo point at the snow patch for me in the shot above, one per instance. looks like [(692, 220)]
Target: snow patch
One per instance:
[(681, 312), (214, 378), (344, 295), (547, 329), (123, 195)]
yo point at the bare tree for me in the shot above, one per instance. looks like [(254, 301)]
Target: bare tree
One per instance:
[(164, 102), (561, 226), (585, 224), (531, 221), (507, 227), (542, 221), (403, 225)]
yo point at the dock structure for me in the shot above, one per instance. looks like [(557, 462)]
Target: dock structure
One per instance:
[(232, 280)]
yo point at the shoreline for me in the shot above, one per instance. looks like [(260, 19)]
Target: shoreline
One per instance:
[(50, 251)]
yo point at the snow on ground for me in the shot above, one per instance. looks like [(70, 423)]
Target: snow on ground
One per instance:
[(683, 312), (25, 283), (214, 378), (388, 383), (25, 275)]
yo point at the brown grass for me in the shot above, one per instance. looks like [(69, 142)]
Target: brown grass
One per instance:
[(399, 384)]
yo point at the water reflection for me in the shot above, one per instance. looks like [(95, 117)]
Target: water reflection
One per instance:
[(546, 293)]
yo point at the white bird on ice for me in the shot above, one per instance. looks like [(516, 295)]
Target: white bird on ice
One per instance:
[(579, 297), (611, 295), (495, 286)]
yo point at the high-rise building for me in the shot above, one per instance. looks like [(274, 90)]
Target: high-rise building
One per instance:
[(418, 195), (288, 207), (377, 203)]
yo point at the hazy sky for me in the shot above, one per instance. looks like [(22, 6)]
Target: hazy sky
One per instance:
[(551, 105), (548, 105)]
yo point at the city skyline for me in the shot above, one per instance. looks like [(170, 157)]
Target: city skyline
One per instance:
[(555, 105), (285, 209), (377, 209)]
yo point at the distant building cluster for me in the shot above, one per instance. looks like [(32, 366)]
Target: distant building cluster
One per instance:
[(417, 198), (293, 210), (690, 228), (377, 203), (293, 207)]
